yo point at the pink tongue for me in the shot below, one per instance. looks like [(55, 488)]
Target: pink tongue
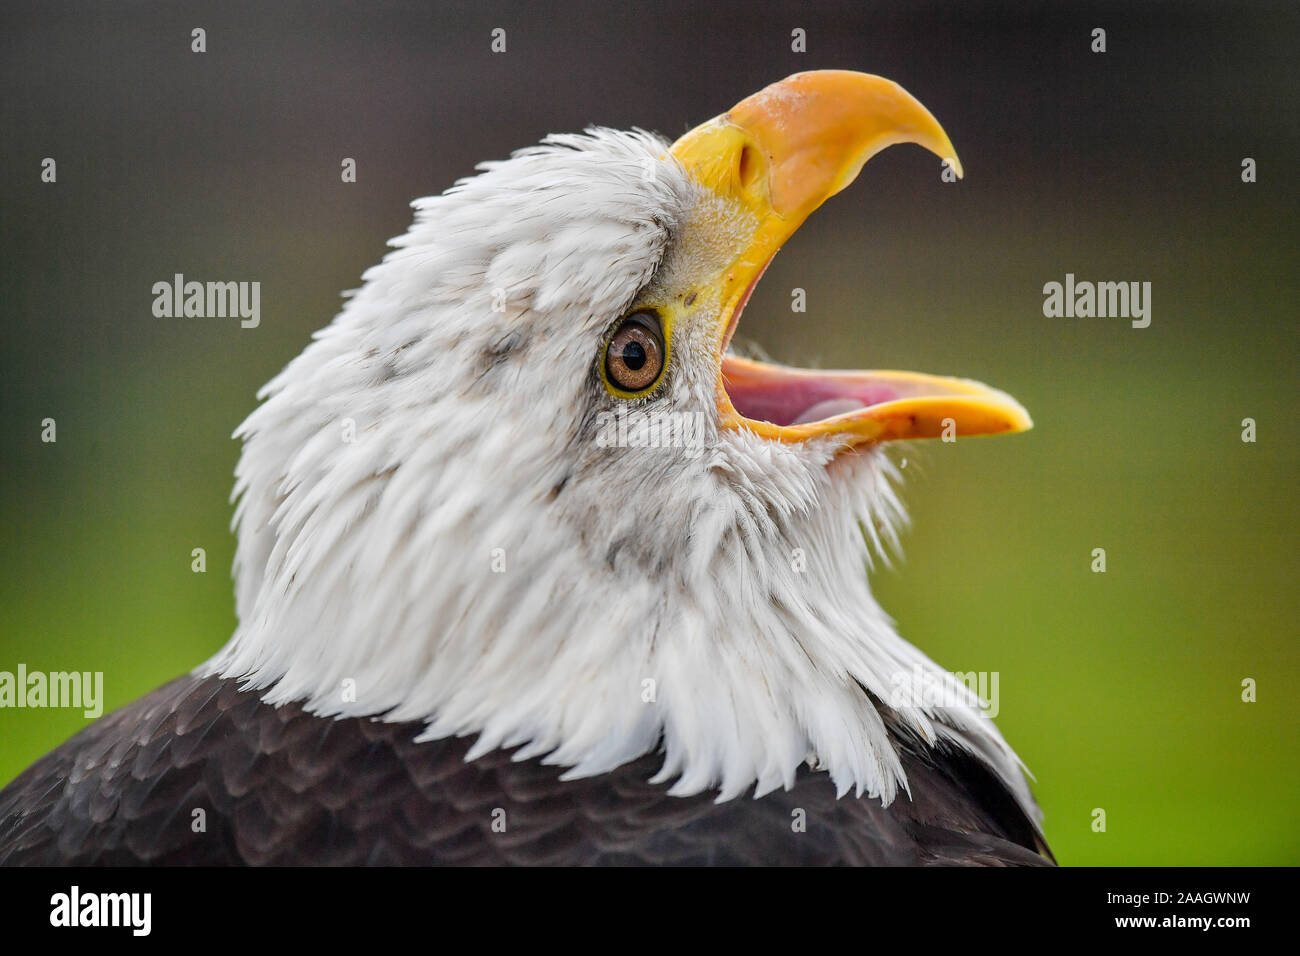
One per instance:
[(828, 409)]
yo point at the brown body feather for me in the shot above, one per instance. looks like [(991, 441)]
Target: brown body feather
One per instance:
[(280, 786)]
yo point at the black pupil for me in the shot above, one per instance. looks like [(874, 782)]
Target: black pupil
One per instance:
[(634, 355)]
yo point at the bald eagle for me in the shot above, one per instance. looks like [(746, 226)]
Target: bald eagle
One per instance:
[(531, 569)]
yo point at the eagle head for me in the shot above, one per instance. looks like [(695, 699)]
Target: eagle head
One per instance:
[(519, 487)]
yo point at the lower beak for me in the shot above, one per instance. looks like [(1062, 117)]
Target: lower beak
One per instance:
[(780, 154), (790, 404)]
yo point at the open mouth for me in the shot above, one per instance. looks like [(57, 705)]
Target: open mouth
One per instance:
[(796, 404), (779, 154), (785, 397)]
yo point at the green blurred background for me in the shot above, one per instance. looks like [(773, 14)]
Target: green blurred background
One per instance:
[(1121, 691)]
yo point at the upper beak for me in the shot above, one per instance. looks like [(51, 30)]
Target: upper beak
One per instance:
[(780, 154)]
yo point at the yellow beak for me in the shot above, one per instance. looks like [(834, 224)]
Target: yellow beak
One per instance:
[(780, 154)]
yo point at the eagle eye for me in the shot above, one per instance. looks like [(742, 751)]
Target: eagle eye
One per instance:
[(634, 355)]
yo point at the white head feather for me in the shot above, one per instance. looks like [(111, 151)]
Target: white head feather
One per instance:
[(376, 560)]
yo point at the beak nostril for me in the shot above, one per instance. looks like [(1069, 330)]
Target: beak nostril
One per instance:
[(748, 166)]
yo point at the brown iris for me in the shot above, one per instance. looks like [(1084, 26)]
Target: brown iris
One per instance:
[(635, 354)]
